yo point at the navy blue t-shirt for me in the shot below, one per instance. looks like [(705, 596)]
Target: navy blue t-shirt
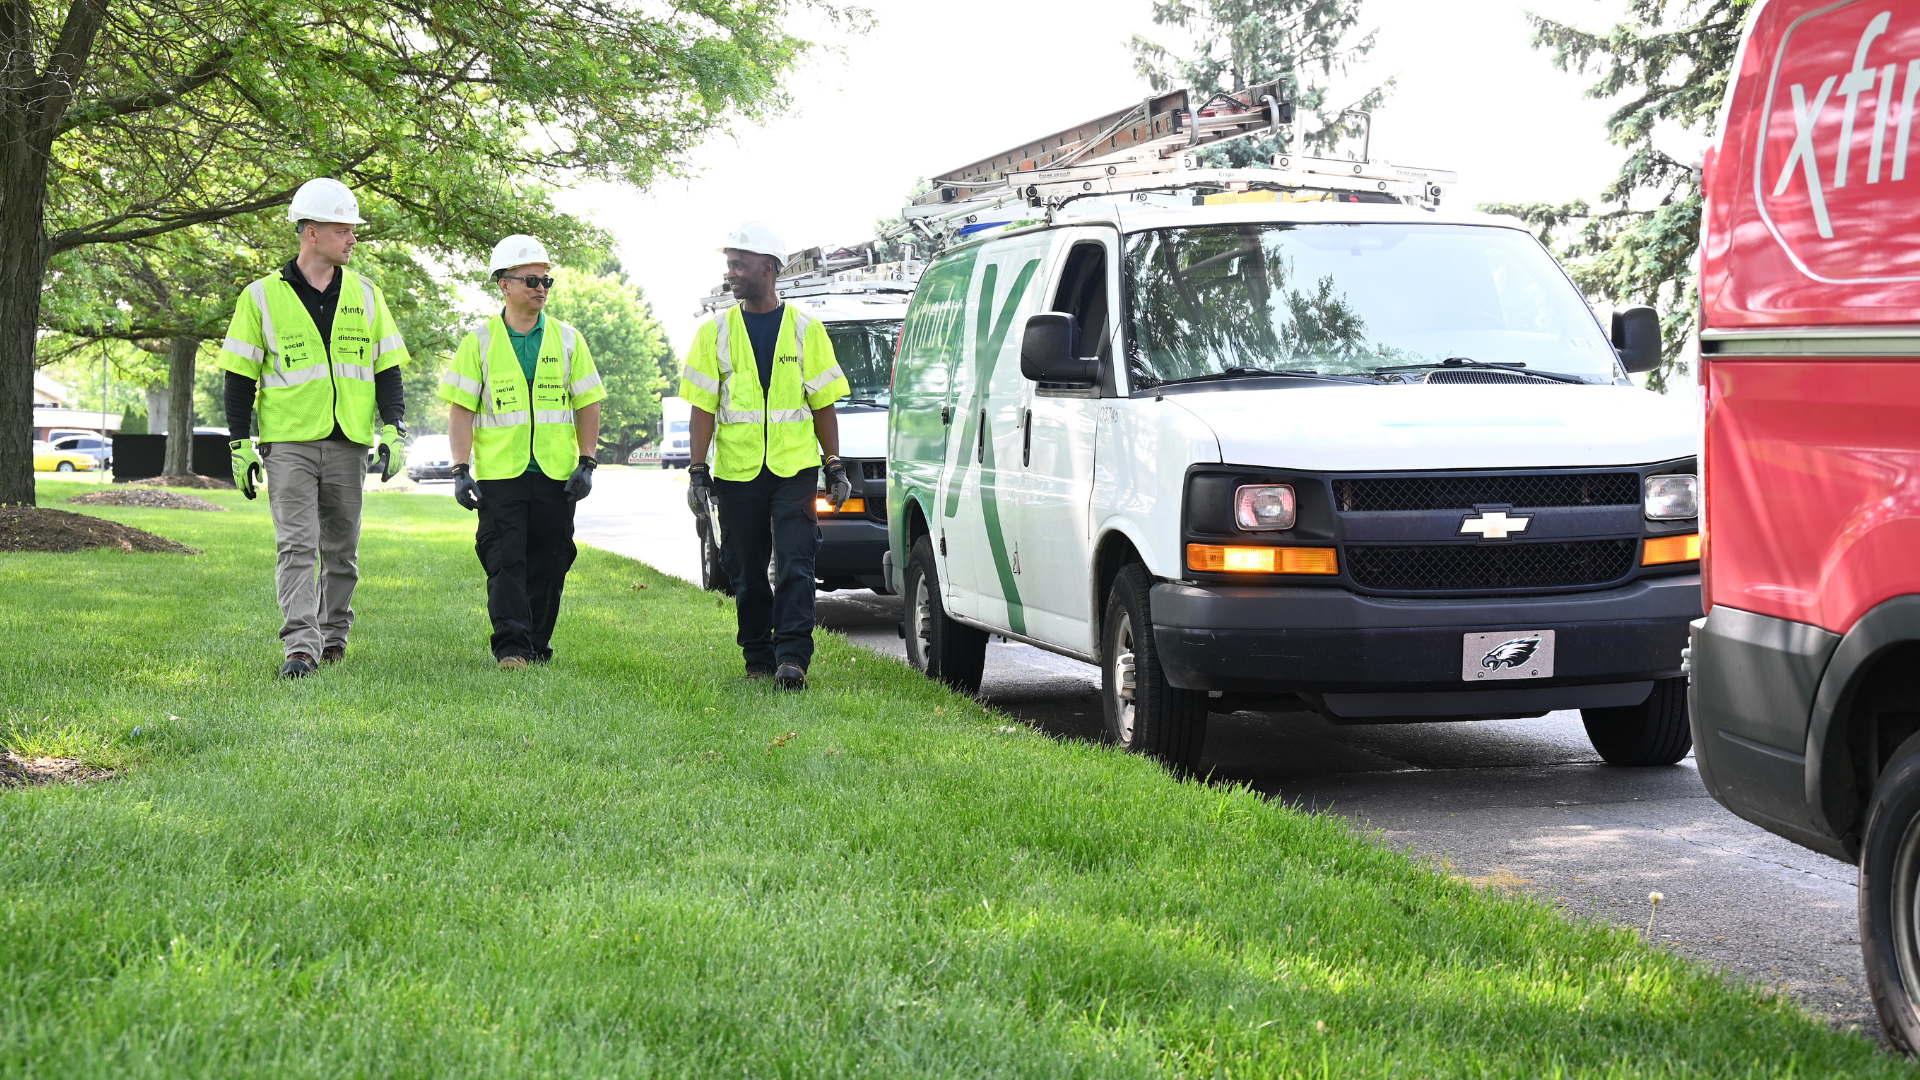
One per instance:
[(764, 332)]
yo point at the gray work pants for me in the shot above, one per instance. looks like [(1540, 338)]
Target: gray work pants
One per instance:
[(314, 490)]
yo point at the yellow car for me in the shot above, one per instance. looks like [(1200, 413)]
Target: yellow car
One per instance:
[(47, 459)]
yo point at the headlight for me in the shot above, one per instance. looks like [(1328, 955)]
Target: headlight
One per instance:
[(1257, 507), (1673, 497)]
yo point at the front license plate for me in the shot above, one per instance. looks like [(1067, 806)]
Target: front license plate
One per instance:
[(1514, 654)]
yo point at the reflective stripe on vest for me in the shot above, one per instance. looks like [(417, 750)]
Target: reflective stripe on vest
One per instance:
[(463, 384), (293, 378), (258, 290)]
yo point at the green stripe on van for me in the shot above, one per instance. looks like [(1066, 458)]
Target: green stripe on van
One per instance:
[(988, 339)]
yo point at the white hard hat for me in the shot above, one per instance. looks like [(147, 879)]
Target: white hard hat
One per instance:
[(517, 250), (757, 236), (325, 200)]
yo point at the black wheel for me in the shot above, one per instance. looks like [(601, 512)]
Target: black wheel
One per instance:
[(1890, 897), (65, 466), (1144, 713), (952, 652), (1653, 732), (713, 577)]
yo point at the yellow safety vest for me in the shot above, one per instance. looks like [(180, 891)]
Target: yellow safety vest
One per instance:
[(309, 383), (515, 425), (755, 425)]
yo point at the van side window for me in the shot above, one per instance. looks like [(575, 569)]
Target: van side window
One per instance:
[(1082, 293)]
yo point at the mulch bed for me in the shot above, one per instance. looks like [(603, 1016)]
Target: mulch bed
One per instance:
[(151, 498), (16, 771), (213, 482), (39, 528)]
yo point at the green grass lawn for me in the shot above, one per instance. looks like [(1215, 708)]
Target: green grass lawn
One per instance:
[(417, 865)]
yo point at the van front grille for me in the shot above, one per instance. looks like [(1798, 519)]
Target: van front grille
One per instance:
[(1454, 492), (1483, 567)]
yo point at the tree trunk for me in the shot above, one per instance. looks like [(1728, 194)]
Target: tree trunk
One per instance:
[(23, 264), (157, 410), (32, 104), (180, 354)]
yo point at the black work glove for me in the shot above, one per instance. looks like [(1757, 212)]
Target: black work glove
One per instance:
[(580, 484), (700, 490), (465, 491), (838, 488)]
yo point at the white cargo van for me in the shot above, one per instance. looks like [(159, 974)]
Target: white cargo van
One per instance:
[(676, 416), (1360, 457)]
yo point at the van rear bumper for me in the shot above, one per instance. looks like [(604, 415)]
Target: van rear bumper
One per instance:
[(1750, 700), (1360, 652)]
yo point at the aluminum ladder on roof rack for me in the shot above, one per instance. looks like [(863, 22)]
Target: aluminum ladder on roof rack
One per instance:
[(1150, 147)]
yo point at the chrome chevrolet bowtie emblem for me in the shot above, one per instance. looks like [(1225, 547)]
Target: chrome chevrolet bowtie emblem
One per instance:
[(1494, 525)]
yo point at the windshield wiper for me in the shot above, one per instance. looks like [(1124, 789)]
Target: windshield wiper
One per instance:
[(1516, 367), (1253, 373)]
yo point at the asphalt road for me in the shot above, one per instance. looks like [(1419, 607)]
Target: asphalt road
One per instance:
[(1511, 804)]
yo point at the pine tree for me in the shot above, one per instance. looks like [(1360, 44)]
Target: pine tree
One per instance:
[(1241, 43), (1638, 247)]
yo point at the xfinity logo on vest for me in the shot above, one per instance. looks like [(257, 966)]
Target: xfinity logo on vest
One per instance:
[(1839, 128)]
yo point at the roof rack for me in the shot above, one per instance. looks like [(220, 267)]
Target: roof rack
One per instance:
[(1152, 147), (809, 273)]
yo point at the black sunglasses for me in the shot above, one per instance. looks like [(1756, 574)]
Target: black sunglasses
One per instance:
[(532, 281)]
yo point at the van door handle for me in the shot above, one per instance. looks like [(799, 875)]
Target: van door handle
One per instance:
[(946, 415), (1026, 441), (980, 448)]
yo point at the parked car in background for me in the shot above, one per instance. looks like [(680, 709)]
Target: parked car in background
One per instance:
[(676, 436), (48, 459), (1806, 673), (430, 458), (101, 450), (57, 434)]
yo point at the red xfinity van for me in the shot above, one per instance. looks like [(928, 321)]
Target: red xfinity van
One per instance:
[(1805, 695)]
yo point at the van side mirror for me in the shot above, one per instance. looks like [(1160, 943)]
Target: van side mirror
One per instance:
[(1636, 334), (1049, 348)]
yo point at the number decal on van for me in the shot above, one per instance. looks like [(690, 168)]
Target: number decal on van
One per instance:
[(989, 336)]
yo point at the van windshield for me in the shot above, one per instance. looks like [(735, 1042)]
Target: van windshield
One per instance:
[(864, 351), (1348, 299)]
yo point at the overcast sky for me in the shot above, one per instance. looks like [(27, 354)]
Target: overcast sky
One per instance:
[(934, 86)]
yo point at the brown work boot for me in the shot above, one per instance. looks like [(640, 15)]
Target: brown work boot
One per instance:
[(333, 654), (298, 666), (513, 663)]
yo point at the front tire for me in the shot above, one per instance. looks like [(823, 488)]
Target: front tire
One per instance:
[(65, 466), (1144, 713), (1654, 732), (1890, 897), (940, 648)]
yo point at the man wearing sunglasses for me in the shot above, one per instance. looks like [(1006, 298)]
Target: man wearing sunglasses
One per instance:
[(524, 405)]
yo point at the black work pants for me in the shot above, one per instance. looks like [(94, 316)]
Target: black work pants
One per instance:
[(525, 543), (771, 516)]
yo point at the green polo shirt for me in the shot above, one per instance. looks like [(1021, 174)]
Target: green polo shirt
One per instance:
[(526, 347)]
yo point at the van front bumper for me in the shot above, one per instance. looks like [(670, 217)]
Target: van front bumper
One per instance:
[(852, 547), (1376, 658)]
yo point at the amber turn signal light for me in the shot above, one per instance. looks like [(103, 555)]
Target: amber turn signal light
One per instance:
[(851, 506), (1218, 558), (1670, 549)]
